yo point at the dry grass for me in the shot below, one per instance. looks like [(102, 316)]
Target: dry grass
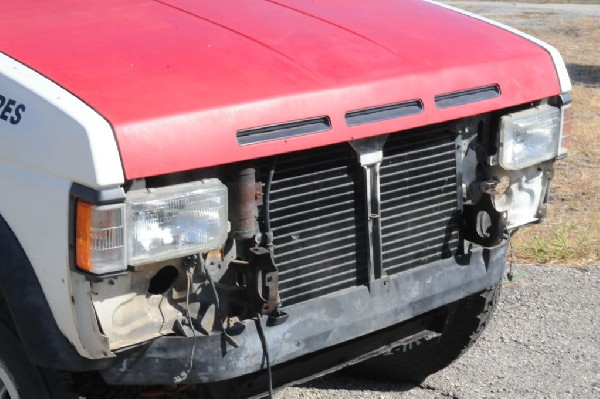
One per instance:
[(571, 235), (551, 1)]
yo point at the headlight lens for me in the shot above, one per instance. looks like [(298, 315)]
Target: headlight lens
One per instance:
[(176, 221), (529, 137), (151, 226)]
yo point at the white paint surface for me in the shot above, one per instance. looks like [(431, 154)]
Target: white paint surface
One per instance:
[(59, 140)]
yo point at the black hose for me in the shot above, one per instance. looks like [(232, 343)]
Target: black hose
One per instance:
[(267, 225), (263, 341)]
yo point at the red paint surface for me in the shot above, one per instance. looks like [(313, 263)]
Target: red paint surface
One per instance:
[(178, 78)]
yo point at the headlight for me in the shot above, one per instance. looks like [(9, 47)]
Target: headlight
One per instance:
[(176, 221), (529, 137), (159, 224)]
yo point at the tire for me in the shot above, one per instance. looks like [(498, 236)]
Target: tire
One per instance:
[(90, 385), (414, 361), (20, 379)]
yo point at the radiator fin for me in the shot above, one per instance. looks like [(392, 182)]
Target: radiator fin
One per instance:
[(318, 216), (419, 215), (316, 211)]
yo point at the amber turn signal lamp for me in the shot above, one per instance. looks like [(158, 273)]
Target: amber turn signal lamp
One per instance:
[(82, 247), (99, 238)]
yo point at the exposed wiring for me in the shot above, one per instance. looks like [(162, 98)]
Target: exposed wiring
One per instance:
[(510, 275), (520, 276), (184, 374), (162, 315), (267, 224), (226, 336), (189, 274), (265, 347)]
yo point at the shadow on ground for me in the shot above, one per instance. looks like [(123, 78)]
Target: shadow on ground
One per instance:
[(341, 381), (587, 75)]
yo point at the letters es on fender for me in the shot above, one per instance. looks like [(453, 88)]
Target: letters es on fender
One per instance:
[(239, 195)]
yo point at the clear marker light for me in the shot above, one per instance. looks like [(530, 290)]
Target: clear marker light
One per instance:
[(99, 238), (565, 132)]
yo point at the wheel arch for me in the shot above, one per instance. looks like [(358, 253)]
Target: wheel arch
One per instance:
[(30, 313)]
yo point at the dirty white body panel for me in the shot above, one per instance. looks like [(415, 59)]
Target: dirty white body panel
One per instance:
[(523, 196), (129, 313), (56, 140)]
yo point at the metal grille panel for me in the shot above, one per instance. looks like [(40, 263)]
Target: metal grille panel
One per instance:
[(318, 216), (419, 215), (316, 209)]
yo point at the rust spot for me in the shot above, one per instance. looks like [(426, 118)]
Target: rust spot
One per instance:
[(214, 256)]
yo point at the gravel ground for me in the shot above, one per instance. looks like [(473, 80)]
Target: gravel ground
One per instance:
[(542, 343), (530, 11), (530, 15)]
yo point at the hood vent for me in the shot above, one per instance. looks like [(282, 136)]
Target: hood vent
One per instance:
[(283, 130), (384, 112), (467, 96)]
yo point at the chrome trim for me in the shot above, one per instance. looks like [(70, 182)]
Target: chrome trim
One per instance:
[(370, 156)]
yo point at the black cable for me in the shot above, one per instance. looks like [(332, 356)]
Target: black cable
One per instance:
[(185, 373), (189, 274), (263, 341), (267, 196), (267, 220), (509, 235), (213, 287)]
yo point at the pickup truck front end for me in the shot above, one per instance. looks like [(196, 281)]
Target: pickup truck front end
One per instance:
[(242, 195)]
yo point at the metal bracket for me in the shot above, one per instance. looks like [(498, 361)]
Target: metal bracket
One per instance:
[(261, 292), (483, 224), (263, 261)]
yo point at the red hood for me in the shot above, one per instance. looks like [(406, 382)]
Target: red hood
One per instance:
[(178, 78)]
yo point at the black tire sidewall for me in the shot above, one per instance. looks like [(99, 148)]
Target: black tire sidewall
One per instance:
[(25, 375), (417, 361)]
